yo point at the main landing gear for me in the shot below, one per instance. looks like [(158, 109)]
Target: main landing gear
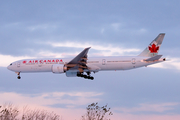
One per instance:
[(18, 73), (85, 76)]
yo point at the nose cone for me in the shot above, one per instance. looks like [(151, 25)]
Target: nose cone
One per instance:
[(8, 67)]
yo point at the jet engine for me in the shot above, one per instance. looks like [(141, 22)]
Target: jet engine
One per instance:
[(71, 74), (58, 68)]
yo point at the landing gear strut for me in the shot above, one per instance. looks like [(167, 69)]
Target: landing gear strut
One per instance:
[(85, 76), (18, 73)]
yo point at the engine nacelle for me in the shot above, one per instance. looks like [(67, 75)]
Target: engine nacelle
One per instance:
[(71, 74), (58, 68)]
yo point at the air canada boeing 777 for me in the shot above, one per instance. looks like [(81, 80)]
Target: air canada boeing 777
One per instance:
[(83, 66)]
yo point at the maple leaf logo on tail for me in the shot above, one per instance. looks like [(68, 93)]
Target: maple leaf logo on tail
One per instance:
[(153, 48)]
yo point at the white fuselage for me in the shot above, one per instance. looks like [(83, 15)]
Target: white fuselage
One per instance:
[(96, 63)]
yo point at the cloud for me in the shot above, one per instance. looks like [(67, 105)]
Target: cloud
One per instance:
[(140, 31), (116, 26), (151, 110), (173, 63), (45, 100), (44, 27), (105, 50), (71, 111), (102, 30), (118, 116), (55, 54), (7, 59), (144, 107)]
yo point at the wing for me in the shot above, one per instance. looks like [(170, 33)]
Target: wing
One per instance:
[(79, 63)]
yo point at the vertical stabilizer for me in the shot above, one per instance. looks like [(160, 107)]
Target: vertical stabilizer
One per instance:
[(154, 46)]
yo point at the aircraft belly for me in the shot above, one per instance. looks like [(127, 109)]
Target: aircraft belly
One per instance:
[(124, 66), (114, 67)]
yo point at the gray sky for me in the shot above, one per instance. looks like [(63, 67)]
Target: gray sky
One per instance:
[(39, 29)]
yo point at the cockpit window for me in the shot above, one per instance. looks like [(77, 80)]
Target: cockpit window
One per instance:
[(11, 64)]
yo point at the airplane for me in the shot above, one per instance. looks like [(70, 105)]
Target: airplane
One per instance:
[(83, 66)]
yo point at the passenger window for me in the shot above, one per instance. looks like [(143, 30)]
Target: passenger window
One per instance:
[(11, 64)]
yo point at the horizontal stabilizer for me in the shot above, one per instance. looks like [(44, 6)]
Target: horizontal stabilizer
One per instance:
[(157, 57)]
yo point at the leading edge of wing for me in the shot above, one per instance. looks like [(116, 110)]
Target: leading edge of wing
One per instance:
[(81, 55)]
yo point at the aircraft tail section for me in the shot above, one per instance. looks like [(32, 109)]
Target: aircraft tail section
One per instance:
[(154, 46)]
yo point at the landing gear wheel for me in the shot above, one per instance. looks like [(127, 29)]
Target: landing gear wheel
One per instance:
[(18, 73), (85, 76), (79, 75), (92, 78)]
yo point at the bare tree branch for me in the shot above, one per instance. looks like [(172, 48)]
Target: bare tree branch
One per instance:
[(94, 112)]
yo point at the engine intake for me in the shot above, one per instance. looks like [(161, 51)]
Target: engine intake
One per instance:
[(58, 68)]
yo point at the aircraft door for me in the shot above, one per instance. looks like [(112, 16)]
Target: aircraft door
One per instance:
[(103, 61), (133, 61), (18, 64)]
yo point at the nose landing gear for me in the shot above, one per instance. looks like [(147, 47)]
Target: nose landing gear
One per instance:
[(18, 73)]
